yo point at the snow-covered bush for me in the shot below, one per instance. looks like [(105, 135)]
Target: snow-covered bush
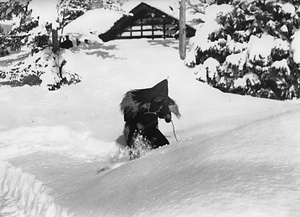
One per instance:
[(39, 26), (43, 68), (44, 65), (69, 10), (15, 23), (256, 45)]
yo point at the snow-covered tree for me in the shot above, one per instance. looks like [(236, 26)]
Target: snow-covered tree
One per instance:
[(245, 48), (41, 31), (42, 65), (69, 10), (15, 23)]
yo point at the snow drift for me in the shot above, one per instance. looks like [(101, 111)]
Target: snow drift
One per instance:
[(60, 151), (236, 155), (22, 195), (251, 171)]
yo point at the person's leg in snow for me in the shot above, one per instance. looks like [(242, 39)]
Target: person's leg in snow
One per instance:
[(129, 131), (156, 138)]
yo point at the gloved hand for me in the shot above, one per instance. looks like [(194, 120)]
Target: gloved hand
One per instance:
[(168, 118), (140, 126)]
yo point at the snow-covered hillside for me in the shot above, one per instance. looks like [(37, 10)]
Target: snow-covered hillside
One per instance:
[(235, 156)]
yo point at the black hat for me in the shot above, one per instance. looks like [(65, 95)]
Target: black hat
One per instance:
[(146, 95)]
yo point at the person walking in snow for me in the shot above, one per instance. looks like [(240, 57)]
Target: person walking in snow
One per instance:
[(142, 108)]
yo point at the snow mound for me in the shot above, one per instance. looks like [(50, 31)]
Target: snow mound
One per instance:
[(260, 48), (287, 8), (58, 139), (22, 195), (91, 24), (250, 171), (209, 67)]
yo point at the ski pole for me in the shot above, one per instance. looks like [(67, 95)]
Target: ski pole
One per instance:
[(174, 131)]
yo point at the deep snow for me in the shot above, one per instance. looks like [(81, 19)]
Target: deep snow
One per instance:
[(236, 155)]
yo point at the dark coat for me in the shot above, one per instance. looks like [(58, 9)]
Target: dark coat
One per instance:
[(143, 107)]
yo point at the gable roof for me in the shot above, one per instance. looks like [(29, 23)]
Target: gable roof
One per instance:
[(145, 21)]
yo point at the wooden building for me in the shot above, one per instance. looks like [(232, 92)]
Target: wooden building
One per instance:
[(145, 21)]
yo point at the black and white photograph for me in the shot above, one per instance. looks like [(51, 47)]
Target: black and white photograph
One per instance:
[(149, 108)]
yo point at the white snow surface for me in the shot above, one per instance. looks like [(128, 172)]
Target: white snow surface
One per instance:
[(60, 150), (295, 47), (260, 48), (236, 155), (46, 10)]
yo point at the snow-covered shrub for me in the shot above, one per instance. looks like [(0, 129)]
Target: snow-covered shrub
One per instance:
[(43, 68), (15, 23), (45, 65), (208, 70), (257, 38), (69, 10), (41, 29)]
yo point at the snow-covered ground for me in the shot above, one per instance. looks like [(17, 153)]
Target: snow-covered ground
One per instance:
[(236, 155), (60, 150)]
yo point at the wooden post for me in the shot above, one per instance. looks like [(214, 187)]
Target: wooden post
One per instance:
[(141, 26), (152, 22), (164, 26), (182, 30), (55, 41), (130, 31)]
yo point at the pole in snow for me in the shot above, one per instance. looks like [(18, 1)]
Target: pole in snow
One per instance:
[(182, 30)]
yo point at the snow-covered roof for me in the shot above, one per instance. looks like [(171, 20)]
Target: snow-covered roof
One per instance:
[(144, 15), (170, 7), (92, 23), (96, 21)]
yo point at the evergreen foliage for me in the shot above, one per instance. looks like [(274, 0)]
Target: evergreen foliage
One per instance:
[(30, 69), (243, 68), (16, 12), (69, 10)]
